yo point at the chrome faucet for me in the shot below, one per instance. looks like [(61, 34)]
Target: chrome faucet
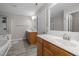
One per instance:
[(66, 37)]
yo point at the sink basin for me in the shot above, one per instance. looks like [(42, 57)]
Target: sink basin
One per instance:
[(52, 37), (60, 41), (75, 42), (67, 43)]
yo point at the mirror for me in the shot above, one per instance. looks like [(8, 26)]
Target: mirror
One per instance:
[(64, 17), (71, 18), (56, 18), (74, 22)]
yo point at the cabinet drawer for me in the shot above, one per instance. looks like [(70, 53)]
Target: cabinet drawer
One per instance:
[(57, 51)]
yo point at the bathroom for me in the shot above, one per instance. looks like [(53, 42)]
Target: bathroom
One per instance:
[(39, 29)]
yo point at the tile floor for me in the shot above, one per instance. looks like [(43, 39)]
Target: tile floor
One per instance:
[(21, 48)]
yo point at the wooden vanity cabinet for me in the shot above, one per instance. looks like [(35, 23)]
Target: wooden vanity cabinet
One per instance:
[(49, 49), (47, 52), (31, 37), (39, 46), (55, 50)]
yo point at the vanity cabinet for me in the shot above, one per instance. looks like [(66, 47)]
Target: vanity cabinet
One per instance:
[(49, 49), (39, 46), (47, 52), (31, 37)]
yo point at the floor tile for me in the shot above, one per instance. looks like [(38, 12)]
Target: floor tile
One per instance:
[(21, 48)]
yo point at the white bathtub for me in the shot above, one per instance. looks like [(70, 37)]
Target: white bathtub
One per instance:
[(4, 44)]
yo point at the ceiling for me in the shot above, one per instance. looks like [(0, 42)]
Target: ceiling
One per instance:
[(59, 8), (28, 9)]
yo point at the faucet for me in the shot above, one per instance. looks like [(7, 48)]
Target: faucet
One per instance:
[(66, 37)]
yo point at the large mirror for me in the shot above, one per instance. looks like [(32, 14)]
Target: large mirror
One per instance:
[(56, 17), (72, 18), (73, 22), (64, 17)]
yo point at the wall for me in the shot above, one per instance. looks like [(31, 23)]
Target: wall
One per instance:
[(42, 22), (17, 25), (43, 17)]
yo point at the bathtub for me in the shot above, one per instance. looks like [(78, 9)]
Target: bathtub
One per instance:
[(5, 44)]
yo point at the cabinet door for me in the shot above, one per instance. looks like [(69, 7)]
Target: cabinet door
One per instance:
[(32, 37), (47, 52), (39, 47), (56, 50)]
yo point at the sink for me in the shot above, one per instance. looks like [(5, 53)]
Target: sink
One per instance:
[(52, 37), (31, 31), (75, 42), (60, 41), (67, 43)]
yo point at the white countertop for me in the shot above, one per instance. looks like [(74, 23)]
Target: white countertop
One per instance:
[(71, 46), (31, 31)]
